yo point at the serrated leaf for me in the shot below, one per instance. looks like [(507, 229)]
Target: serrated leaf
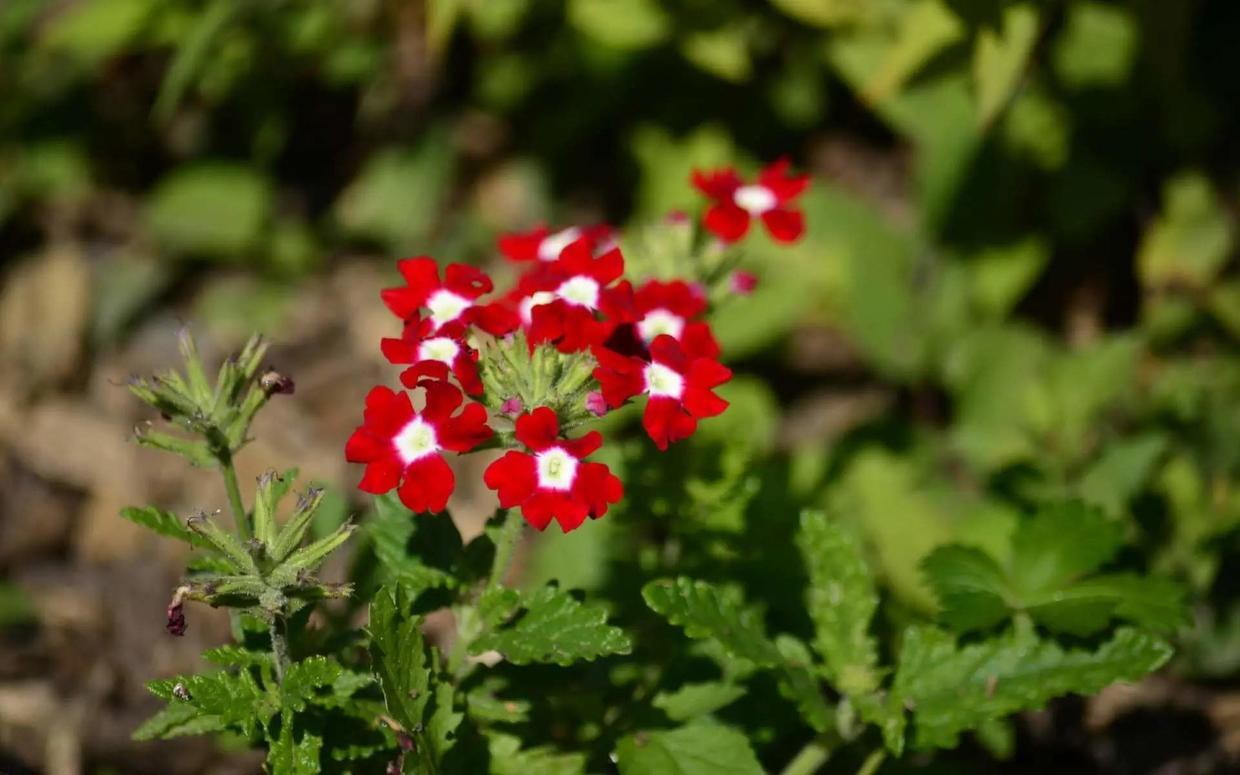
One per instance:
[(1089, 605), (485, 706), (303, 678), (971, 587), (1120, 471), (439, 734), (164, 523), (289, 756), (703, 612), (841, 601), (398, 656), (419, 552), (508, 758), (556, 628), (693, 700), (236, 656), (232, 700), (798, 682), (951, 689), (1062, 542), (697, 749), (176, 720)]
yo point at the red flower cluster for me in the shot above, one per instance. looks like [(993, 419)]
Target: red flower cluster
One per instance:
[(608, 341)]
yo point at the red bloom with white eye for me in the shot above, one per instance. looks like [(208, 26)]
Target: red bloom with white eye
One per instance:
[(451, 300), (659, 308), (403, 448), (769, 199), (544, 245), (553, 480), (578, 282), (434, 354), (680, 387)]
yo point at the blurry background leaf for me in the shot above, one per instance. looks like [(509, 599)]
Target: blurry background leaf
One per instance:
[(212, 208)]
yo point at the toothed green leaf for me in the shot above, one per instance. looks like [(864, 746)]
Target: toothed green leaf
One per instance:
[(554, 627), (696, 749)]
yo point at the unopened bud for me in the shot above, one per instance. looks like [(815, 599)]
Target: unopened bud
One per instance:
[(596, 404), (511, 406), (274, 382), (176, 624), (742, 283)]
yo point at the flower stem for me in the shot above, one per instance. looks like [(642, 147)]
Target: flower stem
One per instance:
[(279, 646), (240, 518), (505, 545), (872, 762), (810, 759)]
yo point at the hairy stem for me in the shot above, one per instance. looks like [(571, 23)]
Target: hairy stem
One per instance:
[(505, 545), (279, 646), (240, 518), (810, 759)]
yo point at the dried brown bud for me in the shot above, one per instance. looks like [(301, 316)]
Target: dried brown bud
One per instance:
[(176, 624), (274, 382)]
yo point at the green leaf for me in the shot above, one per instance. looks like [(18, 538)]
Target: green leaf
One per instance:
[(1097, 47), (723, 52), (798, 682), (556, 628), (623, 24), (419, 552), (1120, 471), (376, 204), (508, 758), (398, 657), (95, 29), (303, 679), (1087, 606), (294, 757), (841, 601), (703, 612), (211, 208), (1189, 242), (697, 749), (971, 587), (693, 700), (1061, 543), (1000, 57), (177, 720), (823, 13), (236, 656), (163, 522), (952, 689), (223, 700)]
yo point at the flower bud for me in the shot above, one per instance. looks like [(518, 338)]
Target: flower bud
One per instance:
[(742, 283), (274, 382), (176, 624), (595, 403), (511, 406)]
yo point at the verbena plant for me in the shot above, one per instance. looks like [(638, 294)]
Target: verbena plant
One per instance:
[(540, 679)]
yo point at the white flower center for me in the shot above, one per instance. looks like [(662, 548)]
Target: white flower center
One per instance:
[(439, 348), (556, 469), (662, 382), (755, 200), (416, 440), (536, 299), (553, 244), (660, 321), (579, 290), (446, 306)]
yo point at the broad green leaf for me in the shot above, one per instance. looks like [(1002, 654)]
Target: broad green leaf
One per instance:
[(723, 52), (1000, 57), (697, 749), (1097, 46), (418, 551), (398, 657), (177, 720), (693, 700), (824, 13), (380, 203), (1061, 543), (556, 628), (971, 587), (1190, 240), (210, 208), (1120, 471), (624, 24), (92, 30), (1000, 276), (952, 689), (704, 612), (164, 523), (923, 30), (841, 600), (1087, 606), (508, 758), (236, 656), (289, 756), (666, 162)]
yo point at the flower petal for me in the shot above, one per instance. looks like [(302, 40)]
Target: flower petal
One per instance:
[(468, 281), (538, 429), (381, 476), (666, 421), (727, 221), (784, 225), (513, 477), (428, 484), (465, 431)]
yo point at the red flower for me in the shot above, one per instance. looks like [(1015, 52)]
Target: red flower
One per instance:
[(735, 202), (434, 354), (554, 482), (679, 385), (448, 301), (672, 308), (402, 448), (577, 282), (542, 244)]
